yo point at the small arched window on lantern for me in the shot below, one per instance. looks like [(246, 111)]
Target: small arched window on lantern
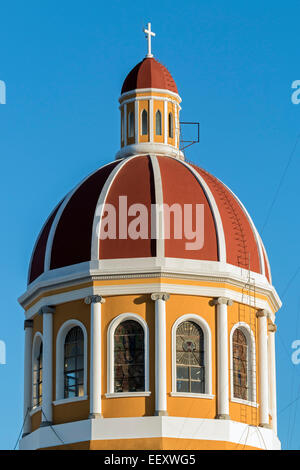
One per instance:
[(190, 368), (158, 126), (131, 124), (170, 123), (74, 363), (37, 372), (144, 122)]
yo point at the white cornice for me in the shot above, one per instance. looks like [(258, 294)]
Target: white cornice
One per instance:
[(149, 90), (147, 148), (139, 268), (152, 427)]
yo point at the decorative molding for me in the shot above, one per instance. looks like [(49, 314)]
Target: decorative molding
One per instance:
[(153, 91), (64, 401), (221, 300), (205, 396), (272, 328), (160, 296), (28, 324), (94, 299), (262, 313), (46, 309), (147, 148), (128, 394)]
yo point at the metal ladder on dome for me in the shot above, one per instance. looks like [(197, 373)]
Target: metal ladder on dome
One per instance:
[(247, 314)]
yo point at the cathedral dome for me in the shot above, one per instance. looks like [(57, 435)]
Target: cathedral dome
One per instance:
[(71, 234), (149, 73)]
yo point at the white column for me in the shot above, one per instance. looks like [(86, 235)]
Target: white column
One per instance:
[(125, 124), (95, 355), (47, 386), (222, 358), (166, 130), (151, 124), (28, 324), (263, 368), (272, 375), (136, 121), (160, 354)]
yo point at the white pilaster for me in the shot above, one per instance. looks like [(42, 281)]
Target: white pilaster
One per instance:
[(160, 354), (28, 324), (263, 368), (95, 355), (136, 121), (47, 398), (125, 125), (151, 124), (272, 375), (165, 122), (222, 357)]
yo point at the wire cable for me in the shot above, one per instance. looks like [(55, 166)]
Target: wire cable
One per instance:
[(280, 183), (20, 434)]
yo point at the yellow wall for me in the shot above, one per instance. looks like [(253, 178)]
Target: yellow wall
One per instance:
[(142, 305)]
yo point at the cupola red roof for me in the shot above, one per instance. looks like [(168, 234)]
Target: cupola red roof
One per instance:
[(149, 73), (71, 234)]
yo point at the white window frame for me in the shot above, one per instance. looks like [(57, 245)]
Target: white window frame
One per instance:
[(36, 345), (251, 364), (110, 356), (131, 127), (144, 109), (207, 356), (158, 113), (60, 352)]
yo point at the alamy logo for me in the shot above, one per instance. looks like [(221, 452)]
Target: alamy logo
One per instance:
[(296, 94), (2, 352), (160, 221), (2, 92)]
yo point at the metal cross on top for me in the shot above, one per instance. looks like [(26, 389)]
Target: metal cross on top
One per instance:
[(149, 33)]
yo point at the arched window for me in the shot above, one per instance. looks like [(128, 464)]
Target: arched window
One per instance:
[(144, 122), (190, 369), (158, 127), (74, 363), (170, 125), (131, 124), (129, 357), (37, 374), (240, 365)]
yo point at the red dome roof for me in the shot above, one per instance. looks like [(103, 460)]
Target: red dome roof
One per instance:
[(149, 74), (71, 233)]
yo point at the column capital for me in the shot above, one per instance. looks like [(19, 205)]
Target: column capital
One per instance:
[(262, 313), (28, 324), (94, 299), (46, 309), (272, 328), (221, 300), (160, 296)]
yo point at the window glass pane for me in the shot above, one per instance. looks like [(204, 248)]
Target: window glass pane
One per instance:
[(129, 357), (144, 122), (240, 364), (131, 124), (182, 386), (190, 357), (73, 363), (197, 387), (158, 127), (171, 125), (182, 372)]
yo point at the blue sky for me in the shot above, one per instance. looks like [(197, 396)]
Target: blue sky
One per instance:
[(64, 62)]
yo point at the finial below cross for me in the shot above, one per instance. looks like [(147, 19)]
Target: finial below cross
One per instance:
[(149, 33)]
